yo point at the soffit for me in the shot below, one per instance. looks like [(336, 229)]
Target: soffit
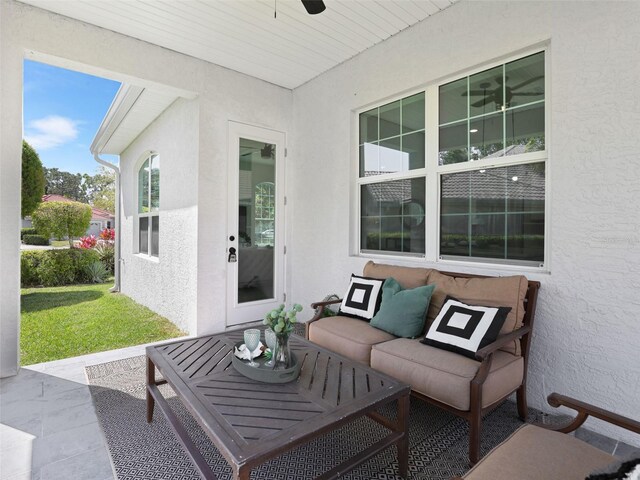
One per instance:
[(243, 35)]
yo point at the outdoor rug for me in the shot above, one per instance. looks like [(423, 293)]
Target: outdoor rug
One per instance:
[(438, 440)]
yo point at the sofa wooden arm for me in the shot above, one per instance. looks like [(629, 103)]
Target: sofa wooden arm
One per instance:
[(501, 341), (319, 313), (584, 411)]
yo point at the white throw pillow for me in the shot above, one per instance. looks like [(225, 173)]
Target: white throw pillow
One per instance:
[(362, 299)]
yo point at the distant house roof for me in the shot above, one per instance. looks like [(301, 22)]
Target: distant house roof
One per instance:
[(97, 213)]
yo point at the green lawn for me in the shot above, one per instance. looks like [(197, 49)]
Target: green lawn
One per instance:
[(59, 243), (61, 322)]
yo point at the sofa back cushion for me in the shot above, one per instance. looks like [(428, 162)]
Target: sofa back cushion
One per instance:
[(489, 291), (407, 277)]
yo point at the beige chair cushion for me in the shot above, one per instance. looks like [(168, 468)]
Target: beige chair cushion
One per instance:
[(491, 292), (446, 376), (408, 277), (534, 453), (347, 336)]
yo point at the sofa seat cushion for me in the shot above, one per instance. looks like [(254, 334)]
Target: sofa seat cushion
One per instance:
[(446, 376), (489, 292), (534, 453), (347, 336)]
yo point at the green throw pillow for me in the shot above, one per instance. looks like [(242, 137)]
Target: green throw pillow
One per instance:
[(402, 312)]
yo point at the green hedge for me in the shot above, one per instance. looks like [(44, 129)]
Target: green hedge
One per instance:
[(56, 267), (27, 231), (35, 240)]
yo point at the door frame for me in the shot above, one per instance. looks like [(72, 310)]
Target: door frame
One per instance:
[(238, 314)]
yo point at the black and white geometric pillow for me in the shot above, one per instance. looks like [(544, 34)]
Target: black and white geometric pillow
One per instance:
[(363, 297), (465, 329)]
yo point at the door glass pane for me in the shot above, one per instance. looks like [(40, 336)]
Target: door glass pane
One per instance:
[(453, 101), (143, 188), (155, 235), (485, 136), (525, 80), (143, 241), (390, 120), (525, 129), (486, 92), (256, 220)]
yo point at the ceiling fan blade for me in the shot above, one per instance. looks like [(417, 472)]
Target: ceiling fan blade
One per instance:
[(527, 94), (314, 7), (527, 82), (476, 92), (483, 101)]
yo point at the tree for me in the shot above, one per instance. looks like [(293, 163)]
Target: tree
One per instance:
[(62, 219), (33, 180), (103, 190), (69, 185)]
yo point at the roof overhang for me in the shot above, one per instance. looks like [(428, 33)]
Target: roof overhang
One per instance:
[(133, 109)]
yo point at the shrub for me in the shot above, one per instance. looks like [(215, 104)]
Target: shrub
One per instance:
[(96, 272), (88, 242), (27, 231), (35, 240), (106, 253), (33, 180), (29, 262), (56, 267)]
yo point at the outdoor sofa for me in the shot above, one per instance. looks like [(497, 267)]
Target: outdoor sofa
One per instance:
[(467, 387)]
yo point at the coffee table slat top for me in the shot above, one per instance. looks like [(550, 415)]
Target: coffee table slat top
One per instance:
[(247, 419)]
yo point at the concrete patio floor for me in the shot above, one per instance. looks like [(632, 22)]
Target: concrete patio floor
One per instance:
[(48, 426), (49, 429)]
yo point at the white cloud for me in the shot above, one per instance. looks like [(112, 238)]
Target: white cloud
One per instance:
[(50, 132)]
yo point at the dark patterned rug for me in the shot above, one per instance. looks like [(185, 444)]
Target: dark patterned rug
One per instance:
[(438, 440)]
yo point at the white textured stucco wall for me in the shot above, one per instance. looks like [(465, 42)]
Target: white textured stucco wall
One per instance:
[(587, 324), (167, 284), (223, 95)]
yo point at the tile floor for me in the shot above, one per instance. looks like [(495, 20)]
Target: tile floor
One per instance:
[(49, 429)]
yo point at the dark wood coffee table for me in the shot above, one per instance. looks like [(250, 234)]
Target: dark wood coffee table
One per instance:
[(252, 422)]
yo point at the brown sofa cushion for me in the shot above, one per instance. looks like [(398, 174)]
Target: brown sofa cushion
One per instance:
[(407, 277), (490, 292), (534, 453), (446, 376), (347, 336)]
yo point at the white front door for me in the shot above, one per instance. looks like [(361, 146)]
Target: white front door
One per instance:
[(255, 234)]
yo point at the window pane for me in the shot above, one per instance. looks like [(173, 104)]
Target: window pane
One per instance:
[(369, 159), (413, 113), (369, 126), (155, 235), (453, 143), (143, 241), (494, 213), (143, 188), (525, 80), (413, 146), (453, 101), (390, 120), (392, 159), (392, 216), (485, 136), (525, 129), (486, 92), (155, 183)]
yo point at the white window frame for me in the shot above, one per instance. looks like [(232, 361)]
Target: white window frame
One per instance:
[(156, 213), (433, 172)]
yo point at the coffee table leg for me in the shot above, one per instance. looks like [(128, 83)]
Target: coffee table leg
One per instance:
[(151, 380), (242, 473), (403, 443)]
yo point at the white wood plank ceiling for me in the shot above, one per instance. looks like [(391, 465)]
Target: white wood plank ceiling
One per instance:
[(243, 35)]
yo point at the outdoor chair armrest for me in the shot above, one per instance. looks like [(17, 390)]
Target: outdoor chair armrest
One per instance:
[(584, 410), (319, 313), (500, 342)]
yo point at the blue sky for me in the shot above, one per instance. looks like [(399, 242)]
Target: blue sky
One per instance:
[(63, 110)]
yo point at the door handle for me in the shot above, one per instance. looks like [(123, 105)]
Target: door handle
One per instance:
[(232, 255)]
